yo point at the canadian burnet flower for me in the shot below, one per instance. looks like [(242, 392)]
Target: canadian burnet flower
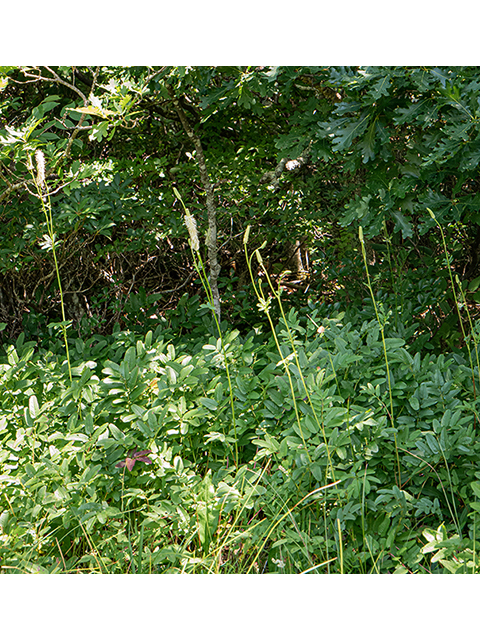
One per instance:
[(191, 225), (40, 160)]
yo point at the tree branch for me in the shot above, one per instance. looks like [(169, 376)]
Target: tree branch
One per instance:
[(38, 77), (272, 178)]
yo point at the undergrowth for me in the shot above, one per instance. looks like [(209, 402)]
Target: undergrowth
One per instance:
[(327, 444), (316, 487)]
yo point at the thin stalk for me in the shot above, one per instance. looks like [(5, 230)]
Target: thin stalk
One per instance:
[(451, 488), (340, 544), (363, 508), (317, 566), (121, 499), (453, 515), (371, 555), (61, 555), (285, 515), (473, 334), (292, 518), (228, 538), (94, 550), (474, 541), (457, 306), (321, 331), (325, 528), (211, 240), (39, 181), (264, 305), (297, 362), (382, 330), (200, 269), (131, 553)]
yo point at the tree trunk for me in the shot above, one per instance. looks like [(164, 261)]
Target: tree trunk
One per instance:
[(211, 240)]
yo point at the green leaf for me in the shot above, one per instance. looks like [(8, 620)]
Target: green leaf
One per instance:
[(99, 131), (138, 411), (403, 224), (33, 407), (432, 443), (4, 518), (366, 144), (210, 403), (476, 488), (381, 87), (394, 343), (116, 433), (414, 403), (474, 284), (93, 111), (12, 355), (171, 375), (344, 137)]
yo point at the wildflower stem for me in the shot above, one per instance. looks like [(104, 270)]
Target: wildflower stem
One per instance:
[(39, 181)]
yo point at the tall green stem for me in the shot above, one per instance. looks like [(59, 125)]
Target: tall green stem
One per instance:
[(457, 305), (382, 330), (264, 305), (39, 181), (200, 269)]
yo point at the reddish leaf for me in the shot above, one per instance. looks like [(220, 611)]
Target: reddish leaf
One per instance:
[(142, 456), (132, 456), (142, 453)]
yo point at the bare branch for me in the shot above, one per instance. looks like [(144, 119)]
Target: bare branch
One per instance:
[(154, 74), (56, 78), (6, 170), (15, 187)]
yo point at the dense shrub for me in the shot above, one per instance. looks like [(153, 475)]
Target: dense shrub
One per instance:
[(243, 491)]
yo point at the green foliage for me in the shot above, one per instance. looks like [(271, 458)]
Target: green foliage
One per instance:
[(67, 506), (417, 130), (328, 423)]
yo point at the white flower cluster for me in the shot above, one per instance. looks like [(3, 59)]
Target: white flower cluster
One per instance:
[(280, 563), (292, 164), (40, 160), (191, 225)]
